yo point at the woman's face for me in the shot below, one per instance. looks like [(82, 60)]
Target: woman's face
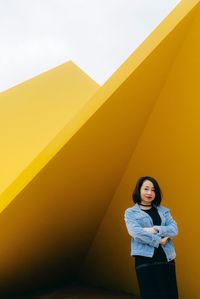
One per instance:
[(147, 192)]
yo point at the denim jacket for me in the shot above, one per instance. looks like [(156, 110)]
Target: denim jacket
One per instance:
[(142, 242)]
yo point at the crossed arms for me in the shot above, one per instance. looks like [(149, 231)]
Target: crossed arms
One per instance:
[(151, 235)]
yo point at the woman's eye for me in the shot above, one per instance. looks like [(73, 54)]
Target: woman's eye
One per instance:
[(148, 189)]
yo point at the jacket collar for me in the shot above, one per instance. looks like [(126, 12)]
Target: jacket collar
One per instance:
[(136, 207)]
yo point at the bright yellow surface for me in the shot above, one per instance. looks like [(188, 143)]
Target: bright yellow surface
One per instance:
[(12, 167), (58, 202), (32, 114), (56, 216), (168, 149)]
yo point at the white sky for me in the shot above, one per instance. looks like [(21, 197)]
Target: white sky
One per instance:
[(97, 35)]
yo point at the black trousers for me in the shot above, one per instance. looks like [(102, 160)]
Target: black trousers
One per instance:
[(157, 280)]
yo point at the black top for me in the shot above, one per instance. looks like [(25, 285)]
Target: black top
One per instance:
[(159, 254)]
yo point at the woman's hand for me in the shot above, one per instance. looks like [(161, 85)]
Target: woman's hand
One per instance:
[(164, 240), (150, 230)]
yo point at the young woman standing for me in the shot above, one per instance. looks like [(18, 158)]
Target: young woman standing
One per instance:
[(152, 228)]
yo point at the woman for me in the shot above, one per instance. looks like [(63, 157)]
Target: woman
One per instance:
[(152, 227)]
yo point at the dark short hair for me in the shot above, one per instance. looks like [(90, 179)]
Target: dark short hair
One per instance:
[(136, 193)]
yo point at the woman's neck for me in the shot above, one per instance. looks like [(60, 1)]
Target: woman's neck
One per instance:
[(145, 206)]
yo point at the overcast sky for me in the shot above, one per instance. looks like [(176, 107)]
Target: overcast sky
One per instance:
[(97, 35)]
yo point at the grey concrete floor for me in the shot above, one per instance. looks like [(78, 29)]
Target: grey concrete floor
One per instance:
[(79, 292)]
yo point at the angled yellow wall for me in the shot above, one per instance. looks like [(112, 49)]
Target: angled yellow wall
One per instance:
[(55, 212), (58, 202), (33, 113), (55, 217), (168, 149)]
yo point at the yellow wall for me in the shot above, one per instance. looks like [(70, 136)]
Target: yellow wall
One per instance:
[(33, 113), (58, 202), (56, 215), (168, 149)]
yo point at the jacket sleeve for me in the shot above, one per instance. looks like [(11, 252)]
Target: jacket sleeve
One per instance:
[(137, 232), (170, 228)]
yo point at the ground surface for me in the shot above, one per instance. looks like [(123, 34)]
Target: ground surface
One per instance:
[(79, 292)]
